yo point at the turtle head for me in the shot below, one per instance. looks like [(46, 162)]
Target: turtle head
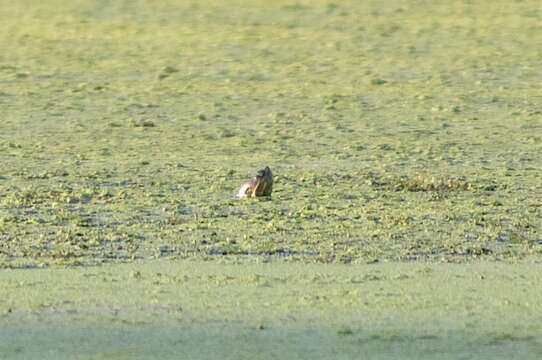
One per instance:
[(265, 172)]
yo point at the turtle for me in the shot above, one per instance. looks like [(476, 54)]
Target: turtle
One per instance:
[(259, 185)]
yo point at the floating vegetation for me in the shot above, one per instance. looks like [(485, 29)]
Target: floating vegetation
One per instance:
[(129, 143), (421, 183)]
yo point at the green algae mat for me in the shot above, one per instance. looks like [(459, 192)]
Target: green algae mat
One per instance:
[(397, 130), (400, 132), (228, 310)]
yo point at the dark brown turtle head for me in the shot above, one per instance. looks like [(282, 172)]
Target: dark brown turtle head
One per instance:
[(264, 173), (263, 183)]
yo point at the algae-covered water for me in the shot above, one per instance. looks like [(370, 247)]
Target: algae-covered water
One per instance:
[(209, 310), (398, 132)]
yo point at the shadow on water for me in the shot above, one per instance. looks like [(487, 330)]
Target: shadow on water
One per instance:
[(107, 339)]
